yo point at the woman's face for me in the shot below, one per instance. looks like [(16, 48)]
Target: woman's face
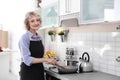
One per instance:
[(34, 22)]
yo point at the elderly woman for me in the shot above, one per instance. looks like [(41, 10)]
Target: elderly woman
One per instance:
[(32, 50)]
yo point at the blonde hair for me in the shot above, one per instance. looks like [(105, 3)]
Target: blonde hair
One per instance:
[(28, 15)]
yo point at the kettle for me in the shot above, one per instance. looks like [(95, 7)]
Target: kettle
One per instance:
[(85, 65)]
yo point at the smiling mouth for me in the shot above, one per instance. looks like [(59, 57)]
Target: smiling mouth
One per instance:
[(36, 26)]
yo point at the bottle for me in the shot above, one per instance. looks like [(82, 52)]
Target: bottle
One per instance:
[(67, 51), (80, 65)]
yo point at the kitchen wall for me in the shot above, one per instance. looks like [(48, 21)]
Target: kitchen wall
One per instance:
[(12, 19), (103, 47)]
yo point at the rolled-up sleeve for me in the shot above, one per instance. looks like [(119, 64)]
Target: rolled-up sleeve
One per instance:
[(24, 50)]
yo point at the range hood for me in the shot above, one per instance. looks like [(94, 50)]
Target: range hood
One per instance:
[(72, 22)]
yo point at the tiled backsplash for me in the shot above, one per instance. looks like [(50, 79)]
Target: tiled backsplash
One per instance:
[(103, 48)]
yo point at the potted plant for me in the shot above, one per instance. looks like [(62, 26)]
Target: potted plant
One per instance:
[(52, 34), (62, 35)]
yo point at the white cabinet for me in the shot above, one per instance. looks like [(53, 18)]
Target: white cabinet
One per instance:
[(92, 11), (47, 2), (62, 7), (4, 64), (15, 63), (49, 13), (95, 11), (113, 13), (68, 6), (4, 39), (75, 6)]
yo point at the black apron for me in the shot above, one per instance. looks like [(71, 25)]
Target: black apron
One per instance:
[(35, 71)]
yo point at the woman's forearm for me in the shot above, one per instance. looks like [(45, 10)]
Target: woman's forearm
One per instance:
[(39, 60), (46, 60)]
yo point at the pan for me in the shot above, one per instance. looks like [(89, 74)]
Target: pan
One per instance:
[(67, 69)]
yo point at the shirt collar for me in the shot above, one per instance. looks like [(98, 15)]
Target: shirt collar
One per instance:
[(30, 34), (33, 36)]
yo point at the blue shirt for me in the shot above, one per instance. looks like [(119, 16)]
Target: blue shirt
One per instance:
[(24, 43)]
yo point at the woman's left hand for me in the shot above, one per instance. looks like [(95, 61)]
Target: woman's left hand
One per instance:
[(52, 61)]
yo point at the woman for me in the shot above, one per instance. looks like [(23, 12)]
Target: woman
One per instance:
[(32, 50)]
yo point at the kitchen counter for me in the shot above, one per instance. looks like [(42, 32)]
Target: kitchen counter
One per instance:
[(95, 75), (7, 52)]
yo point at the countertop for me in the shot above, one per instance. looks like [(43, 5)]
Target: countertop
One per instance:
[(95, 75), (7, 52)]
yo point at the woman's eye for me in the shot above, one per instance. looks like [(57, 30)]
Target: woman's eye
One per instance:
[(38, 20), (32, 21)]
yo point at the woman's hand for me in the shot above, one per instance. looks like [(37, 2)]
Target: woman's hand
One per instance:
[(52, 61)]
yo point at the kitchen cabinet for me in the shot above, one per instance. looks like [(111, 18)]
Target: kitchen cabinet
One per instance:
[(83, 76), (15, 62), (86, 11), (4, 63), (3, 39), (92, 11), (95, 11), (49, 12), (112, 13), (49, 77), (47, 2), (69, 6), (69, 9)]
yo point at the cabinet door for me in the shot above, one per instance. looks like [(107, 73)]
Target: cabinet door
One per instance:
[(69, 6), (4, 39), (92, 10), (75, 6), (4, 64), (112, 10), (50, 14), (95, 11), (47, 2), (49, 77), (15, 63), (62, 7)]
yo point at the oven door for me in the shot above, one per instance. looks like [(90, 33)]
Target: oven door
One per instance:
[(49, 77)]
